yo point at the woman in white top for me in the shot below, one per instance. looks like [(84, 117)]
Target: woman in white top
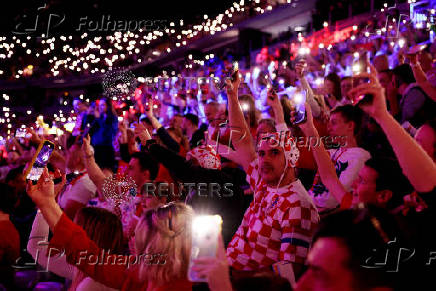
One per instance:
[(102, 226)]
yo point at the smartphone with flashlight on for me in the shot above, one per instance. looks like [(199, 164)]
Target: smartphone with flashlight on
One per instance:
[(39, 161), (205, 233), (298, 101), (361, 66), (230, 75)]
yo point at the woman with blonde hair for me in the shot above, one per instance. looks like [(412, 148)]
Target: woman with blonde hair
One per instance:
[(163, 243), (103, 228)]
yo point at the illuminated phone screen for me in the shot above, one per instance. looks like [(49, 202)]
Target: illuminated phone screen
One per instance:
[(41, 161), (298, 101), (205, 232)]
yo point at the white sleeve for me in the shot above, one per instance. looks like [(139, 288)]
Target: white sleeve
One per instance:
[(356, 160), (37, 246), (84, 190)]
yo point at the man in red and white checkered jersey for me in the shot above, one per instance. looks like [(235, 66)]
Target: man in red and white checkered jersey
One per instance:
[(277, 227)]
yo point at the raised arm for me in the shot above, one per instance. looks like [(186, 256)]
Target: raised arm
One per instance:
[(421, 78), (178, 165), (273, 101), (37, 246), (300, 70), (160, 130), (417, 166), (326, 168), (72, 238), (95, 173), (149, 112), (241, 136)]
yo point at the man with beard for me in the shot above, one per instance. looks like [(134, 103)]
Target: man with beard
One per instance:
[(276, 231)]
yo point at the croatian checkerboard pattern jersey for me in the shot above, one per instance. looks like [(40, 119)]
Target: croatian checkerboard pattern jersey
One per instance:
[(278, 226)]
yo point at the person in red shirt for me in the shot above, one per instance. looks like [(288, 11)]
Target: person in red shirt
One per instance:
[(9, 237), (163, 239)]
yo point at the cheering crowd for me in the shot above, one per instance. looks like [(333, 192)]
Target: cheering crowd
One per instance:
[(339, 199)]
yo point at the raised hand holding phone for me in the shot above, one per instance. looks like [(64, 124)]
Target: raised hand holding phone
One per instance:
[(86, 147), (273, 99), (298, 101), (300, 68), (232, 84), (215, 269), (39, 161), (307, 126), (363, 73), (377, 107), (206, 230), (42, 192), (232, 77), (142, 133), (149, 108)]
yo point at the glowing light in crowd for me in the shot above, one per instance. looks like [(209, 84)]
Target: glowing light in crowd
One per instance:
[(69, 126), (303, 51), (298, 98), (401, 42), (356, 68), (319, 82), (203, 222), (121, 45)]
